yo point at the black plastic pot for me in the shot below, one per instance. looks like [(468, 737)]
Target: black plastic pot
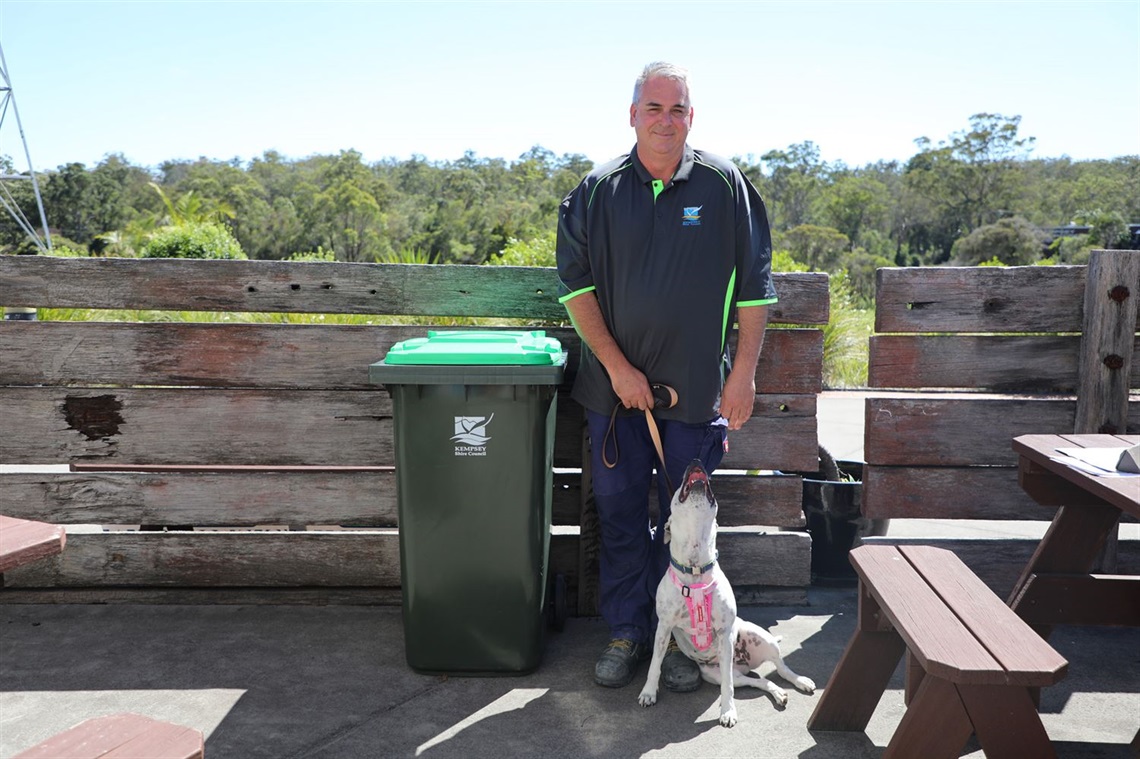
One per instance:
[(833, 509)]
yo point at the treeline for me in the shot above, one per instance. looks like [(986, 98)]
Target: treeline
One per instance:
[(976, 196)]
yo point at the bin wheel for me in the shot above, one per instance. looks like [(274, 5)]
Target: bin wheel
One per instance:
[(556, 610)]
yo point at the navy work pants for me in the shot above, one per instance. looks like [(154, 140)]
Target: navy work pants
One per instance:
[(633, 554)]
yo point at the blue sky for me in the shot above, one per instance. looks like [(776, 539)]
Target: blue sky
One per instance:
[(178, 80)]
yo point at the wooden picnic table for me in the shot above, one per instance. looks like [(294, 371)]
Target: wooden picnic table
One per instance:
[(23, 541), (1057, 586)]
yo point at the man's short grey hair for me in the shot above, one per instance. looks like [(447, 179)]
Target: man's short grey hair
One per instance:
[(661, 69)]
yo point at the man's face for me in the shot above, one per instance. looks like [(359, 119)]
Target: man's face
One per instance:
[(662, 118)]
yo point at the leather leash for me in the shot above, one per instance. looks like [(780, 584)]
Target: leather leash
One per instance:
[(663, 396)]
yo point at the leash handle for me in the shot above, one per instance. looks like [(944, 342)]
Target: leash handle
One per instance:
[(663, 397)]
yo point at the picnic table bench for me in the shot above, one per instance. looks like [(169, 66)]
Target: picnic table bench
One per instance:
[(121, 736), (972, 667), (24, 540)]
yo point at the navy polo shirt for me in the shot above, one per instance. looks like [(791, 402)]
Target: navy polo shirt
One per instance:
[(669, 263)]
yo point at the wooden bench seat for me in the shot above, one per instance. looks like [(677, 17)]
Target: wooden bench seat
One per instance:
[(121, 736), (973, 665), (23, 541)]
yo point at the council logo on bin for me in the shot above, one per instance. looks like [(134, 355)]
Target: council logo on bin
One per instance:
[(471, 436)]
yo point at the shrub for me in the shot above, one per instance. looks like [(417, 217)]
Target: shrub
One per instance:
[(193, 240), (536, 252), (320, 254)]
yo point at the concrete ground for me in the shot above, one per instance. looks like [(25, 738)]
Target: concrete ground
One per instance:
[(332, 682)]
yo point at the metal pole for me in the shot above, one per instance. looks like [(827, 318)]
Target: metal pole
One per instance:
[(27, 153), (21, 313)]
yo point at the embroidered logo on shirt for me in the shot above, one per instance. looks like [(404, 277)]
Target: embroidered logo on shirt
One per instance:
[(691, 217)]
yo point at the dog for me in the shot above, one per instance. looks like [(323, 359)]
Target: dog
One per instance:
[(696, 605)]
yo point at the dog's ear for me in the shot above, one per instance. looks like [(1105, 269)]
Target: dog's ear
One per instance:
[(668, 531)]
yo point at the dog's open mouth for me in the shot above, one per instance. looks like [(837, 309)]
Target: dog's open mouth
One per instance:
[(695, 474)]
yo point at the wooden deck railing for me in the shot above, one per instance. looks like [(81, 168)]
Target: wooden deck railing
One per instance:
[(268, 439), (986, 354)]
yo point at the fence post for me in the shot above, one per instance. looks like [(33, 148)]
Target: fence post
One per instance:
[(1112, 294)]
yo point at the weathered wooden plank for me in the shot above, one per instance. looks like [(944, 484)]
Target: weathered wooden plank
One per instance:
[(752, 557), (1112, 306), (45, 425), (287, 356), (979, 299), (195, 426), (891, 492), (219, 559), (348, 499), (352, 499), (785, 422), (326, 288), (196, 596), (994, 363), (281, 287), (939, 430), (357, 558)]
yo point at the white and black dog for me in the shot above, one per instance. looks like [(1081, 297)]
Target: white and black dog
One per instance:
[(696, 605)]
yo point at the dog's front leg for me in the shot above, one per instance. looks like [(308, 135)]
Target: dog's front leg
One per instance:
[(727, 693), (648, 695)]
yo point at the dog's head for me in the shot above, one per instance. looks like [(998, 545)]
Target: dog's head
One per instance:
[(693, 511)]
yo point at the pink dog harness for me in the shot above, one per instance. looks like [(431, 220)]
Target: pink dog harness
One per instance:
[(700, 610)]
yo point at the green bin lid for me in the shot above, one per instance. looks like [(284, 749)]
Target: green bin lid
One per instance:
[(477, 348), (472, 358)]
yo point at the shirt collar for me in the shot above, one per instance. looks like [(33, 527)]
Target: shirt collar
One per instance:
[(680, 175)]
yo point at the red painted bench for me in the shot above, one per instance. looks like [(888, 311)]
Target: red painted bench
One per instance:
[(973, 665), (121, 736)]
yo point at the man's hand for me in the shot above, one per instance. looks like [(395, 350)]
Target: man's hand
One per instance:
[(738, 398), (632, 388)]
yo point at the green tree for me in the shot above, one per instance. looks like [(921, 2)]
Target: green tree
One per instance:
[(819, 247), (1012, 241), (796, 176), (970, 180), (350, 210), (855, 205)]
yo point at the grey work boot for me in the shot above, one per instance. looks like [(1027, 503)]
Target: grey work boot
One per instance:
[(617, 664), (679, 673)]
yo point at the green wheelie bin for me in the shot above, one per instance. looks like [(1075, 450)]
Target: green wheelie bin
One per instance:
[(474, 445)]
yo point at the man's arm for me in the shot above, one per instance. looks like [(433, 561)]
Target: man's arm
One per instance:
[(628, 381), (739, 394)]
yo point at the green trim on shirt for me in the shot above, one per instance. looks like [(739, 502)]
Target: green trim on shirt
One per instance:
[(602, 179), (727, 308), (576, 293), (764, 302)]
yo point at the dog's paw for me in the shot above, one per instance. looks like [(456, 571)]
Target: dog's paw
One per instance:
[(806, 684), (647, 697), (779, 695), (728, 718)]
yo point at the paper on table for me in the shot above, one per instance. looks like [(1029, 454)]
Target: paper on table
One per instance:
[(1099, 461)]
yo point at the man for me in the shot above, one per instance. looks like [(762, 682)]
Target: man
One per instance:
[(658, 252)]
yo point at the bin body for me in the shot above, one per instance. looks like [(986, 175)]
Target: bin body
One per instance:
[(474, 448)]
